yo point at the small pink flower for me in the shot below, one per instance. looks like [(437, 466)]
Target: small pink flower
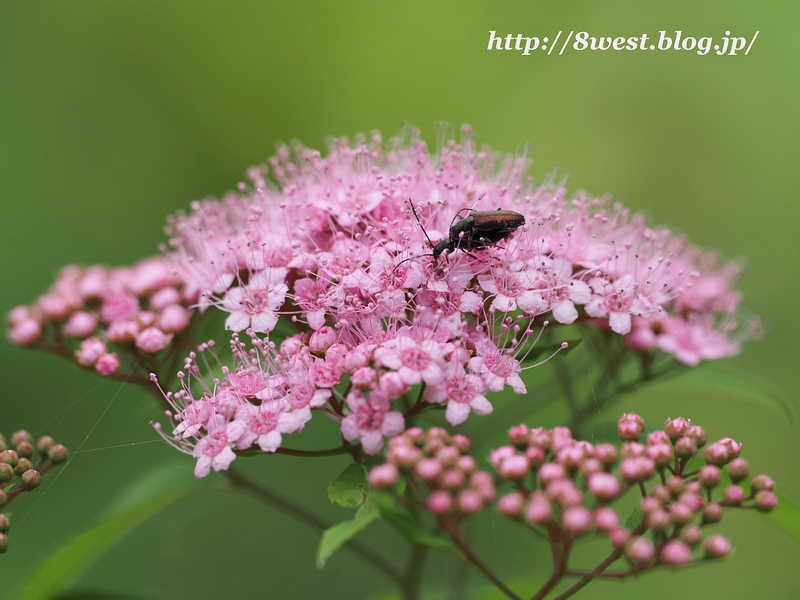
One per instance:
[(152, 340), (107, 365), (213, 450), (370, 423), (90, 350)]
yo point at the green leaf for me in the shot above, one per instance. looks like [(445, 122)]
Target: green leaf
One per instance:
[(335, 537), (786, 517), (408, 526), (737, 384), (65, 564), (348, 488), (634, 518)]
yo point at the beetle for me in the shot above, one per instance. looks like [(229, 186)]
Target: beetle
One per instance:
[(479, 230)]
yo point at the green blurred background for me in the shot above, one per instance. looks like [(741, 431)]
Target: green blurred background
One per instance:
[(115, 114)]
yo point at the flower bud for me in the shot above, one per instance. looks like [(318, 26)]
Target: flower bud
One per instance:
[(461, 442), (364, 378), (23, 465), (661, 454), (514, 468), (698, 434), (738, 469), (681, 513), (19, 437), (440, 502), (576, 519), (541, 437), (511, 505), (498, 455), (685, 447), (453, 479), (152, 340), (717, 454), (384, 476), (9, 457), (590, 466), (733, 494), (606, 453), (691, 535), (604, 486), (712, 513), (649, 504), (25, 449), (469, 501), (676, 484), (550, 472), (31, 479), (519, 436), (107, 365), (535, 455), (763, 482), (639, 550), (658, 520), (677, 428), (467, 464), (3, 499), (632, 450), (709, 476), (322, 339), (619, 536), (658, 437), (6, 472), (404, 456), (57, 453), (630, 427), (675, 553), (570, 457), (605, 519), (3, 543), (766, 500), (637, 469), (717, 546), (539, 509), (448, 456), (80, 324)]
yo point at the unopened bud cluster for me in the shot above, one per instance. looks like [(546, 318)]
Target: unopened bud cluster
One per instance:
[(22, 463), (564, 486), (438, 465), (139, 307)]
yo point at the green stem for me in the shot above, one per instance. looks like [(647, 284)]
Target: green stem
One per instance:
[(411, 584)]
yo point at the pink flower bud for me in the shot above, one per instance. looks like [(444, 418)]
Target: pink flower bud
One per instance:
[(440, 502), (90, 350), (511, 505), (738, 469), (355, 359), (541, 437), (692, 499), (763, 482), (25, 332), (80, 325), (675, 553), (698, 434), (658, 520), (514, 468), (604, 486), (119, 306), (392, 385), (681, 513), (676, 428), (564, 492), (107, 365), (589, 466), (428, 469), (607, 453), (649, 504), (120, 332), (605, 519), (576, 519), (766, 500), (467, 464), (570, 457), (461, 442), (630, 427), (639, 550), (619, 536), (632, 450), (364, 378), (637, 469), (448, 456), (676, 484), (733, 495), (535, 455), (732, 445), (404, 457), (691, 535), (712, 513), (658, 437), (384, 476), (717, 546), (322, 339), (539, 510), (174, 318), (717, 454), (561, 438), (469, 501), (499, 455), (453, 479), (709, 476), (685, 447), (152, 340), (661, 454), (550, 472), (519, 436)]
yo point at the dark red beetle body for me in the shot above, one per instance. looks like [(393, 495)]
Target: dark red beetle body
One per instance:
[(479, 230)]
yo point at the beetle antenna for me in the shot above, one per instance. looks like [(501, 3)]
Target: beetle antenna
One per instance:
[(416, 216)]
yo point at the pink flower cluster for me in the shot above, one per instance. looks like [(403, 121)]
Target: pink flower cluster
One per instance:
[(141, 306), (442, 469), (563, 488), (335, 244)]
